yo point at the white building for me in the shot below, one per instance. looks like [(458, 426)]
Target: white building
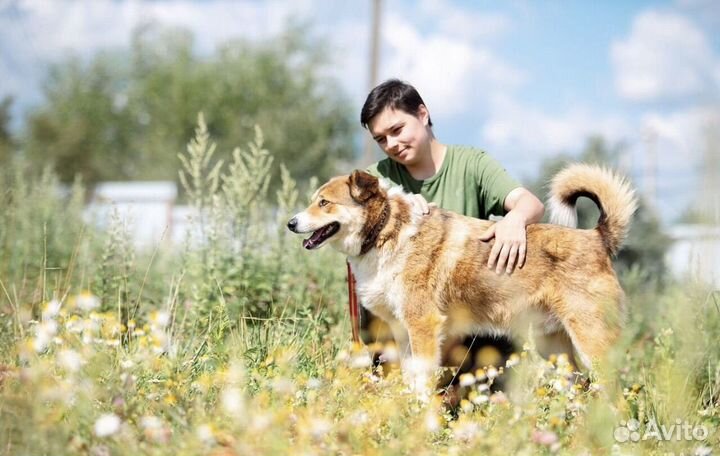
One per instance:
[(695, 253)]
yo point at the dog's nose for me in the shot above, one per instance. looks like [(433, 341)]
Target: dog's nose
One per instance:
[(292, 224)]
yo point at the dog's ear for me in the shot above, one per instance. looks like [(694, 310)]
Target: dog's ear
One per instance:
[(363, 186)]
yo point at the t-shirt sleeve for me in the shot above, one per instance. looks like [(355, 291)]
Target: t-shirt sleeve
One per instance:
[(380, 169), (494, 184)]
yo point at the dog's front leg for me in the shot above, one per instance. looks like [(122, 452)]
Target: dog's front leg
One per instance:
[(402, 341), (424, 331)]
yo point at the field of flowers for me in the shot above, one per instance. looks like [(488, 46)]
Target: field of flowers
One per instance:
[(237, 342)]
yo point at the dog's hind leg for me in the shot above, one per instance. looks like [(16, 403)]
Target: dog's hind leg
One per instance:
[(593, 331)]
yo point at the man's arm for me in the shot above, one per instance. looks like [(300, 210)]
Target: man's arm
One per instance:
[(510, 233)]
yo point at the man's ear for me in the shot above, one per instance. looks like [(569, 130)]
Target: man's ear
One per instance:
[(423, 114), (363, 186)]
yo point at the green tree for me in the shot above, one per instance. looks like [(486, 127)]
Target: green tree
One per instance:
[(7, 143), (646, 244), (126, 114)]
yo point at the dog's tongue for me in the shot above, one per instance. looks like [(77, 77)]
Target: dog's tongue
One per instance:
[(310, 242)]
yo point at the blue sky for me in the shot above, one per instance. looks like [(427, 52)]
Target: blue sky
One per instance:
[(522, 79)]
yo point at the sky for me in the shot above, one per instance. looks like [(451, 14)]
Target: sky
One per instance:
[(523, 80)]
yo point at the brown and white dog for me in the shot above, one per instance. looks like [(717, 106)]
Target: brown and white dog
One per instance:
[(426, 275)]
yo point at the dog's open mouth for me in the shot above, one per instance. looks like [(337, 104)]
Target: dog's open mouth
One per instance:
[(321, 235)]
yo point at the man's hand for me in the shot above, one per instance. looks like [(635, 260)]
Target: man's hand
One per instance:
[(510, 233), (510, 245), (421, 202)]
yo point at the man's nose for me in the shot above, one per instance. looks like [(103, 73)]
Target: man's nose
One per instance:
[(391, 142), (292, 224)]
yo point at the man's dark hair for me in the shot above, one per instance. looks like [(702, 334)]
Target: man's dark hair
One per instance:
[(394, 94)]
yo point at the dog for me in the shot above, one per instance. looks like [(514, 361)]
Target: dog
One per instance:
[(426, 275)]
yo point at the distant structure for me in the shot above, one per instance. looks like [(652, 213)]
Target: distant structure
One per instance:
[(147, 208), (695, 253)]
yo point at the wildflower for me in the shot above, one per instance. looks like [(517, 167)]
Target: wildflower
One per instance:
[(342, 355), (478, 399), (283, 385), (51, 309), (154, 429), (359, 418), (513, 360), (432, 422), (260, 421), (107, 425), (87, 301), (126, 363), (319, 427), (70, 360), (559, 385), (466, 431), (466, 406), (491, 372), (360, 361), (314, 383), (44, 333), (499, 398), (74, 324), (562, 359), (467, 379), (160, 318), (545, 438), (206, 433), (232, 401), (390, 354)]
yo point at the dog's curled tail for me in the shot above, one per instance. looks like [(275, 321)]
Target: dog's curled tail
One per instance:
[(612, 194)]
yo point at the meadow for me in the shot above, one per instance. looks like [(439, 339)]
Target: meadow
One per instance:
[(238, 342)]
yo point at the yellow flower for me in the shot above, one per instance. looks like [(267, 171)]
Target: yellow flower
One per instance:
[(170, 399)]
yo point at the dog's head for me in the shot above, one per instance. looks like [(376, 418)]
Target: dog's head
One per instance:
[(339, 211)]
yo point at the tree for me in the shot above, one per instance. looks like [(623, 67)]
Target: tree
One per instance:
[(127, 114), (7, 143), (646, 244)]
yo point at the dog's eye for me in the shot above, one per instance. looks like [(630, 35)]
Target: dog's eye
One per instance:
[(324, 202)]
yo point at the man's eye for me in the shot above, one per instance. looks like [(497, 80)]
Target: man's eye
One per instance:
[(324, 202)]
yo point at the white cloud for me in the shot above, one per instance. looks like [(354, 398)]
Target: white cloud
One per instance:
[(453, 74), (512, 124), (87, 25), (463, 23), (665, 58), (682, 136)]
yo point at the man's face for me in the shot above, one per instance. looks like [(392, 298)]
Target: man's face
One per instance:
[(404, 137)]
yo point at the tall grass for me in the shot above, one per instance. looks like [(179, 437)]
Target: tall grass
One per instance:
[(236, 342)]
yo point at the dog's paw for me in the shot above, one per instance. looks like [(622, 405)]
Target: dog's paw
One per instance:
[(419, 378)]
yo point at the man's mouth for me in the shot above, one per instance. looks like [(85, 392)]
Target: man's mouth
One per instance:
[(401, 152), (321, 235)]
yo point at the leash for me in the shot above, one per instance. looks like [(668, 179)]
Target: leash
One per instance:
[(353, 304)]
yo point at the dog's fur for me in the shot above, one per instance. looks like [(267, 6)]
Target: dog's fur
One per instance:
[(427, 275)]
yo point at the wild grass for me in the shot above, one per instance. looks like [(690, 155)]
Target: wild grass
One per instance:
[(237, 342)]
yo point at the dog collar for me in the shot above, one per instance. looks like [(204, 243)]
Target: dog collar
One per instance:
[(372, 237)]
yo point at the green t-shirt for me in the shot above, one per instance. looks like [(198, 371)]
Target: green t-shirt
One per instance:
[(469, 182)]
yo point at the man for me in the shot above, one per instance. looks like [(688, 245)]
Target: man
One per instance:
[(462, 179)]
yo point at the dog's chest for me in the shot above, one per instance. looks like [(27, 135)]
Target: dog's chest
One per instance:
[(379, 286)]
